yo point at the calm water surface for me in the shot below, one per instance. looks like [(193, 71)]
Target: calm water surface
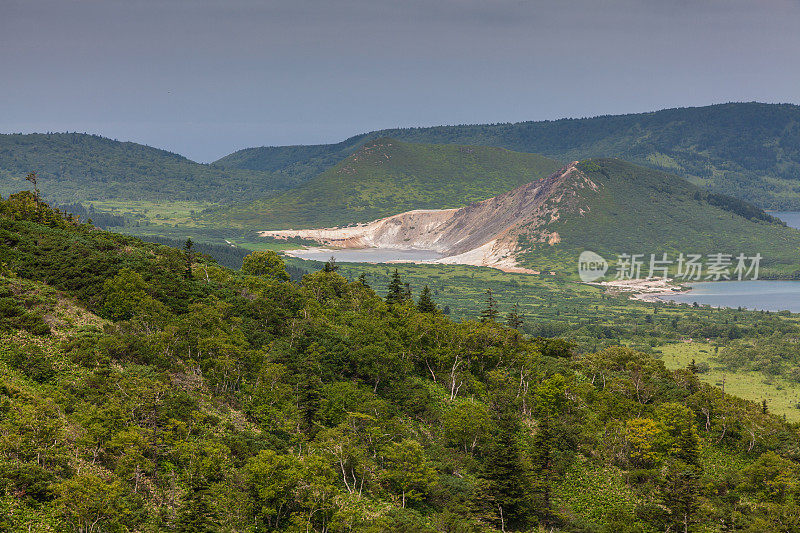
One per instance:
[(367, 255), (766, 295), (792, 218)]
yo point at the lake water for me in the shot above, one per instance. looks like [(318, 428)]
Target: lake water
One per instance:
[(367, 255), (792, 218), (766, 295)]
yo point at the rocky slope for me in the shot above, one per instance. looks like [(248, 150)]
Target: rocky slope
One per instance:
[(484, 233), (608, 206)]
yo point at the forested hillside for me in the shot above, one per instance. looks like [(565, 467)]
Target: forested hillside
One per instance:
[(385, 177), (74, 167), (629, 209), (145, 388), (747, 150)]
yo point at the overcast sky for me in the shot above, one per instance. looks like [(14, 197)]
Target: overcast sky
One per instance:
[(206, 77)]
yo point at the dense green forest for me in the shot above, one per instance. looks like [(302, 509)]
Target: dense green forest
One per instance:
[(385, 177), (750, 151), (594, 318), (75, 167), (223, 254), (145, 388)]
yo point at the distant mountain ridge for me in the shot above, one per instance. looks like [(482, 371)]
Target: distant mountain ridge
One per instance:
[(606, 205), (747, 150), (385, 176), (81, 167)]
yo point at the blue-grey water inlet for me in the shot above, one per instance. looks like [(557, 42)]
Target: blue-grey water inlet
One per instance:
[(765, 295), (792, 218)]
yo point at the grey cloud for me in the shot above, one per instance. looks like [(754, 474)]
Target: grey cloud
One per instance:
[(203, 77)]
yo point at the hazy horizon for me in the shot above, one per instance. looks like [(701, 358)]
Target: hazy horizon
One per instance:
[(206, 78), (334, 141)]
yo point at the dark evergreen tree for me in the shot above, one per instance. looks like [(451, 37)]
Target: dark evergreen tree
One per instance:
[(188, 248), (362, 279), (513, 318), (425, 303), (680, 481), (548, 407), (491, 312), (197, 514), (330, 265), (396, 292), (506, 487), (680, 489)]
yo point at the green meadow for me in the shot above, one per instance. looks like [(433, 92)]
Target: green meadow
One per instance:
[(782, 395)]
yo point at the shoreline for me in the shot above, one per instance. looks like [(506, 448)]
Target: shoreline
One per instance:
[(644, 290), (467, 259)]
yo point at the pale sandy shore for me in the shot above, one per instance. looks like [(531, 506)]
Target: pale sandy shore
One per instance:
[(486, 255), (646, 290)]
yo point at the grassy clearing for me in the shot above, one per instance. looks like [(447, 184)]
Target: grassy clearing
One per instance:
[(594, 493), (782, 395), (719, 463), (260, 245), (157, 213)]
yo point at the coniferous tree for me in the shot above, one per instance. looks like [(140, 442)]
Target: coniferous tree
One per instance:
[(513, 319), (491, 312), (680, 484), (197, 514), (506, 487), (425, 303), (681, 492), (362, 279), (548, 405), (330, 265), (396, 291), (188, 248)]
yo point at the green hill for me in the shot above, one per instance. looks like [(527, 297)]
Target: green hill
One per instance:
[(75, 167), (144, 389), (385, 177), (636, 210), (608, 206), (747, 150)]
